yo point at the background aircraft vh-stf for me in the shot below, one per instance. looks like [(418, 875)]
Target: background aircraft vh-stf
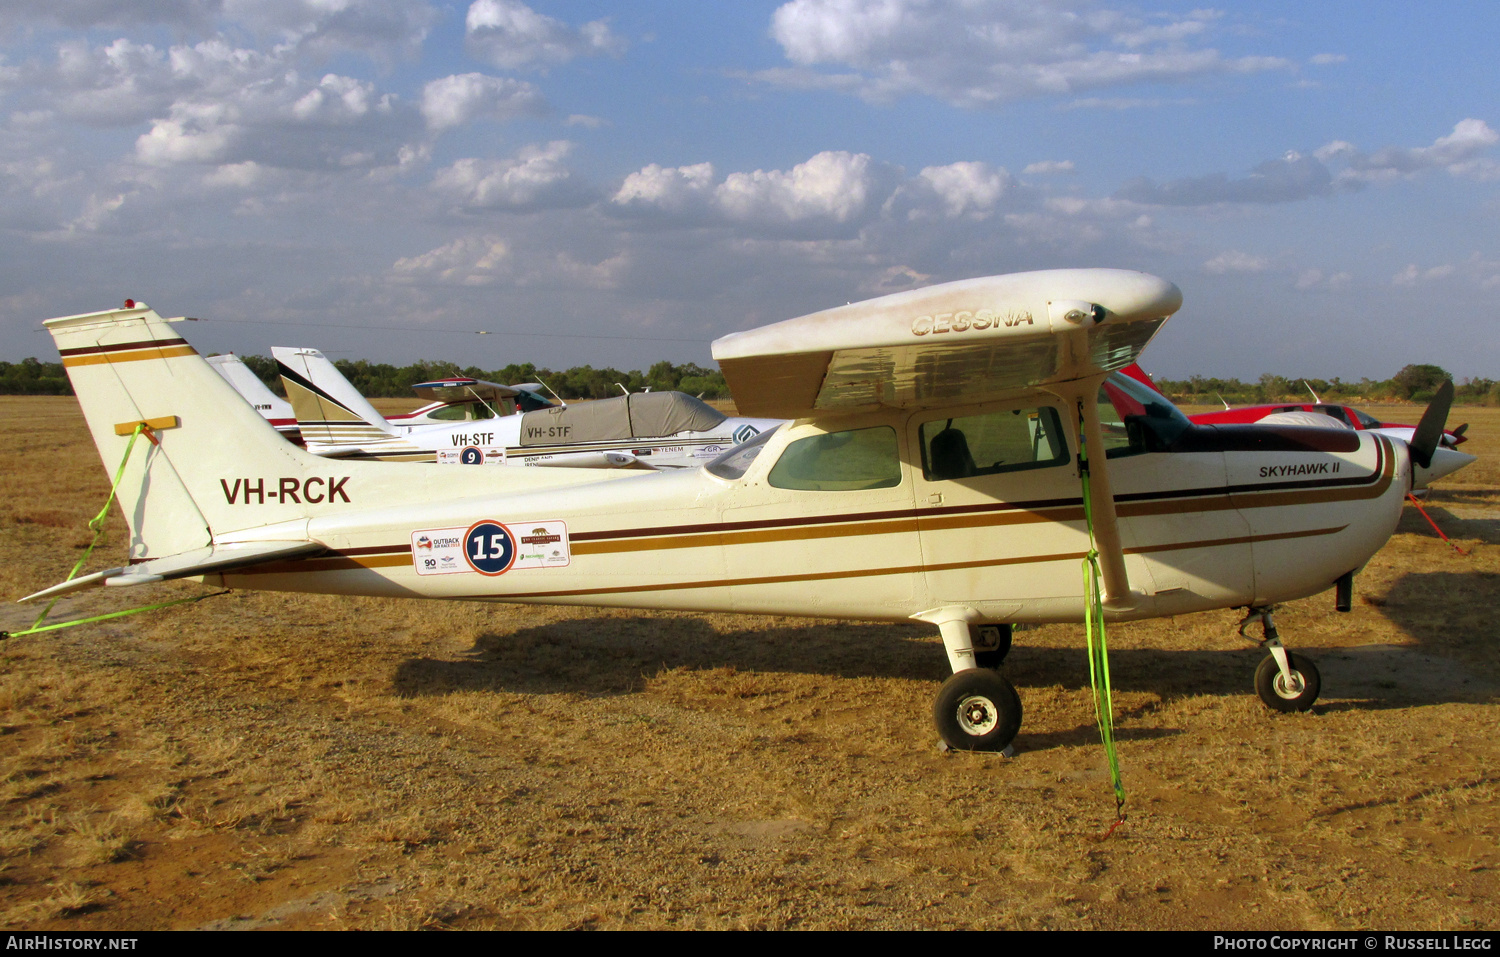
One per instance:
[(510, 424)]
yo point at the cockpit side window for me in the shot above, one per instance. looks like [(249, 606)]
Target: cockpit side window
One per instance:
[(1008, 441), (462, 412), (840, 461), (1337, 412)]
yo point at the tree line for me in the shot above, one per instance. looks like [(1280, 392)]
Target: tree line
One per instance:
[(379, 379), (1414, 383)]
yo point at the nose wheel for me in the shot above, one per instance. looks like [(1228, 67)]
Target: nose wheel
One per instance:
[(1284, 681), (977, 710), (1295, 692)]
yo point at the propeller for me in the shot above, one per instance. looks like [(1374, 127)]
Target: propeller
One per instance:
[(1424, 441)]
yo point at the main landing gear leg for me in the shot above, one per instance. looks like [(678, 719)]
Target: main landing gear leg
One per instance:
[(1284, 681), (976, 709)]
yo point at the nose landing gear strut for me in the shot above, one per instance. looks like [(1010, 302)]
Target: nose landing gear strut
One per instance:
[(1284, 681)]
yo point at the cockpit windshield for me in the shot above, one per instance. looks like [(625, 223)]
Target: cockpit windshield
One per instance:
[(1137, 418), (733, 463)]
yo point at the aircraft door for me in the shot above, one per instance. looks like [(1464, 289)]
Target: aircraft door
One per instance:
[(999, 510)]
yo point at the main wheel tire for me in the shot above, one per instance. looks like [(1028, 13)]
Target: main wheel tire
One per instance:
[(1273, 689), (992, 657), (977, 710)]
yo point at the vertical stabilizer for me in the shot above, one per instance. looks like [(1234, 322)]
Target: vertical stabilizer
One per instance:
[(330, 411), (272, 407), (208, 456)]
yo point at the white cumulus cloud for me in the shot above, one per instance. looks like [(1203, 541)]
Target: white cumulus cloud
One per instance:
[(987, 52), (670, 188), (966, 187), (512, 36), (469, 261), (1233, 261), (1460, 153), (535, 177), (455, 100), (831, 185), (1046, 167)]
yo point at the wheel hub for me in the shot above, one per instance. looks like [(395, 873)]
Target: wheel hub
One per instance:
[(1289, 690), (977, 715)]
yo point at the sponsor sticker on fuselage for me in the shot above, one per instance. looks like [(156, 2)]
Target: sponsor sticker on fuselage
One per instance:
[(490, 547), (471, 455)]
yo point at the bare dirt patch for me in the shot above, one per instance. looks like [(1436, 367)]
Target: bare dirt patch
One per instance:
[(275, 761)]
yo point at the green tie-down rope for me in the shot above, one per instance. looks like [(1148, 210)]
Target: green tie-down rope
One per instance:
[(1104, 707), (97, 525)]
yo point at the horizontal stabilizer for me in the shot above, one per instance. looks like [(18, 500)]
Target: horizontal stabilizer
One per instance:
[(199, 561)]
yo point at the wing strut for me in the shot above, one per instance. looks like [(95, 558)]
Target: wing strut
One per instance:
[(1102, 500)]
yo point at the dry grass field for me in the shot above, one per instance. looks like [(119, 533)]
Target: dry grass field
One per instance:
[(269, 761)]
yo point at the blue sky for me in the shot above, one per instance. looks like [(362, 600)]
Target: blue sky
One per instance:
[(625, 182)]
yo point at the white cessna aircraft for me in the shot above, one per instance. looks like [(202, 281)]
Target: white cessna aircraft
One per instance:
[(933, 471), (649, 429)]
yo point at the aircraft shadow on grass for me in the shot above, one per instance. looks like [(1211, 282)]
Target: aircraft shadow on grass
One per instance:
[(1454, 525), (1451, 617), (616, 655)]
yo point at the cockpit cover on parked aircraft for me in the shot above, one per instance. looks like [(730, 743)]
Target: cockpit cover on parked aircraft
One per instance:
[(640, 415)]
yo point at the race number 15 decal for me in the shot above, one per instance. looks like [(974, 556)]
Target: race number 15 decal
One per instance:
[(489, 548)]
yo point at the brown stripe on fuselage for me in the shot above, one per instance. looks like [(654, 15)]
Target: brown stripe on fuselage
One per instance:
[(133, 353), (897, 570), (342, 562), (900, 521), (122, 347)]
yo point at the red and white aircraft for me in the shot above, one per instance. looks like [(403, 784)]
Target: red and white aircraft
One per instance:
[(1445, 459)]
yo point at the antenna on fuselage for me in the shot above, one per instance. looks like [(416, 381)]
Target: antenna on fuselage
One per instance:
[(559, 398)]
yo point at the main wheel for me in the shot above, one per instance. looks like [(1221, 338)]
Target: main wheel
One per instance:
[(977, 710), (992, 656), (1277, 694)]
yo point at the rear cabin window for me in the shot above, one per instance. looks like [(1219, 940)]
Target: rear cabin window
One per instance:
[(461, 412), (1008, 441), (840, 462)]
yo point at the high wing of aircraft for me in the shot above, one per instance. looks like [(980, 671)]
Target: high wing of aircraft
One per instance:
[(935, 471), (653, 430), (273, 407)]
